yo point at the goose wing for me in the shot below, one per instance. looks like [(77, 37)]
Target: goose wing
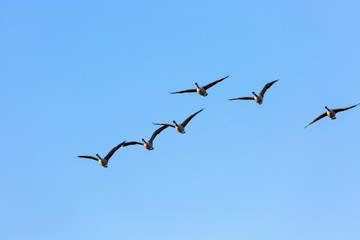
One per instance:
[(133, 143), (90, 157), (165, 124), (317, 119), (156, 133), (344, 109), (112, 151), (186, 121), (242, 98), (185, 91), (207, 86), (266, 87)]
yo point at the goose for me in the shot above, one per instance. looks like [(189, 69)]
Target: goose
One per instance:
[(201, 90), (180, 127), (331, 113), (149, 144), (258, 98), (104, 161)]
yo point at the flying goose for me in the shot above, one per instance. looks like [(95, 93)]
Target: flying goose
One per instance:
[(149, 144), (180, 127), (104, 161), (331, 113), (258, 98), (201, 90)]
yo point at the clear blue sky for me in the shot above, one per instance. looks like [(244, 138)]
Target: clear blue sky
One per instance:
[(79, 77)]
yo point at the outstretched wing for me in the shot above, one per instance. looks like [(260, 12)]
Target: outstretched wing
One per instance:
[(242, 98), (186, 121), (213, 83), (112, 151), (343, 109), (132, 143), (185, 91), (317, 119), (90, 157), (156, 133), (165, 124), (266, 87)]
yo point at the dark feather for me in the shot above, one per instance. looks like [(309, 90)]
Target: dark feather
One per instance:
[(112, 151), (90, 157), (242, 98), (156, 133), (132, 143), (343, 109), (207, 86), (186, 121), (266, 87), (185, 91), (317, 119)]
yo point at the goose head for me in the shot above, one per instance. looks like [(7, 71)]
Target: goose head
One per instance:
[(175, 123), (197, 85), (327, 108), (143, 140), (254, 94)]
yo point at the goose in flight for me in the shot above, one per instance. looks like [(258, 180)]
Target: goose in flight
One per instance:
[(104, 161), (201, 90), (258, 98), (149, 144), (180, 127), (331, 113)]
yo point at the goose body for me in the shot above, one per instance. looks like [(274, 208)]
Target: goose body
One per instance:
[(201, 90), (257, 97), (147, 144), (103, 161), (331, 113), (180, 127)]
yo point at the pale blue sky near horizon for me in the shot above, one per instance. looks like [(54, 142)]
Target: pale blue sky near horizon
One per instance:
[(79, 77)]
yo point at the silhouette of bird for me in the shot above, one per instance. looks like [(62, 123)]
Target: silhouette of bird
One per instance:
[(104, 161), (201, 90), (180, 127), (149, 144), (258, 98), (330, 113)]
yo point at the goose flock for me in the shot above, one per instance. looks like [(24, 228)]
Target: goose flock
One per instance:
[(149, 145)]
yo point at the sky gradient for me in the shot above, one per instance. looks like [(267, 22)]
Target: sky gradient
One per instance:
[(79, 77)]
